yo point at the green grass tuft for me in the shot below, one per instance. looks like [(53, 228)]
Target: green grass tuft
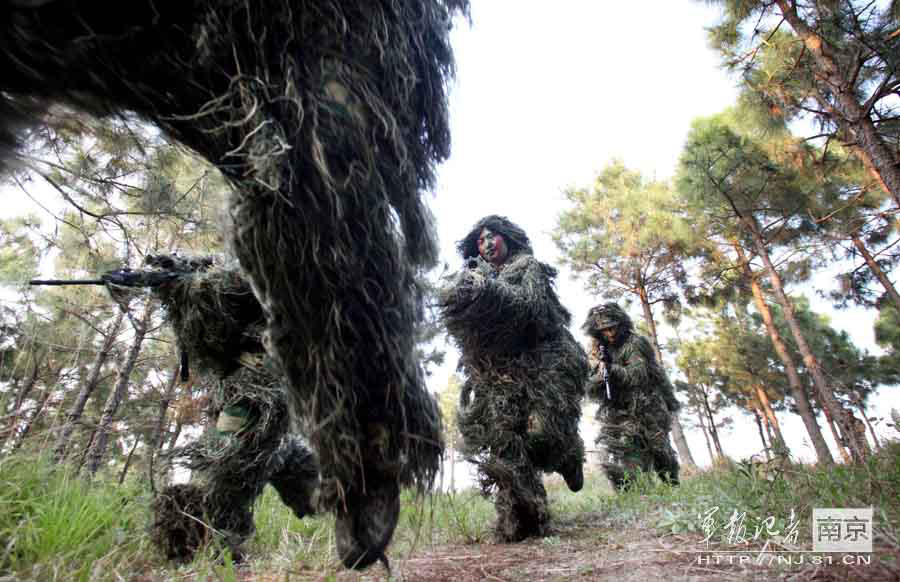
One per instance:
[(57, 526)]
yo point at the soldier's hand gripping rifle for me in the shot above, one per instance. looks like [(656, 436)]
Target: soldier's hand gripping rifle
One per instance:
[(601, 368)]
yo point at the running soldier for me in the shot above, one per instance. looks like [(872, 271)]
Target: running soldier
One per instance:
[(521, 402), (636, 398)]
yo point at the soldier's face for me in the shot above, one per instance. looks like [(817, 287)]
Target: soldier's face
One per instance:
[(609, 334), (492, 247)]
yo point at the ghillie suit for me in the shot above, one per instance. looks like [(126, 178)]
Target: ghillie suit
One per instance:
[(636, 408), (328, 117), (218, 323), (521, 402)]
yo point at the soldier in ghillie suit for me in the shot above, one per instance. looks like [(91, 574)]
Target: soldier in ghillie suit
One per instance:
[(521, 402), (636, 398), (328, 118), (218, 324)]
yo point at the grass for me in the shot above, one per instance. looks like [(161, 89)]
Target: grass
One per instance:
[(56, 526)]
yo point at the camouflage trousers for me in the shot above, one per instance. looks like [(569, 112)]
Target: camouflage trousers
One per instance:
[(249, 447), (635, 444)]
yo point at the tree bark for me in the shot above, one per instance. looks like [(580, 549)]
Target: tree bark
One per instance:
[(801, 400), (828, 399), (846, 110), (25, 390), (677, 431), (712, 426), (164, 404), (842, 450), (762, 434), (862, 412), (156, 441), (877, 270), (134, 447), (712, 455), (38, 409), (98, 448), (771, 418), (88, 385)]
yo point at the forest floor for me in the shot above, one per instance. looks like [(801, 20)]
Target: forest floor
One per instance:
[(590, 548), (741, 521)]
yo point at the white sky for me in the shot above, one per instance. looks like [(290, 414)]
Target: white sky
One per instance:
[(548, 93)]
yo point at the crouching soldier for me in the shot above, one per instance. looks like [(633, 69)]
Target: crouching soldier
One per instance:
[(219, 323), (635, 396)]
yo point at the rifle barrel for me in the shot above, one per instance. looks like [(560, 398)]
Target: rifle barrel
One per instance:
[(67, 282)]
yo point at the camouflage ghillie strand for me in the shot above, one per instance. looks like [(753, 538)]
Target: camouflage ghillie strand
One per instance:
[(328, 117), (216, 318), (521, 402), (215, 315), (177, 530), (636, 420)]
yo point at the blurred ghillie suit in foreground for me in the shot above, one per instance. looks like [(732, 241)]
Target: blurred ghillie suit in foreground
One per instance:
[(218, 323), (328, 117), (636, 417), (521, 402)]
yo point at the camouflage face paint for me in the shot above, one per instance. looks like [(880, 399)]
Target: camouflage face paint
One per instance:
[(492, 247)]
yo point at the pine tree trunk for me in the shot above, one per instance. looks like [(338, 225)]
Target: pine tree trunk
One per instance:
[(801, 400), (88, 385), (862, 412), (164, 403), (156, 441), (762, 434), (826, 394), (25, 390), (842, 450), (773, 442), (771, 418), (877, 271), (38, 409), (687, 460), (846, 109), (124, 472), (712, 426), (712, 456), (98, 448)]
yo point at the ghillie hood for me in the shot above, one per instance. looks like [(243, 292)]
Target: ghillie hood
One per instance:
[(605, 316), (215, 316), (516, 239)]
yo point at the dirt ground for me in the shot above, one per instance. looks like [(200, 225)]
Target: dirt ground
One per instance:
[(582, 550)]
